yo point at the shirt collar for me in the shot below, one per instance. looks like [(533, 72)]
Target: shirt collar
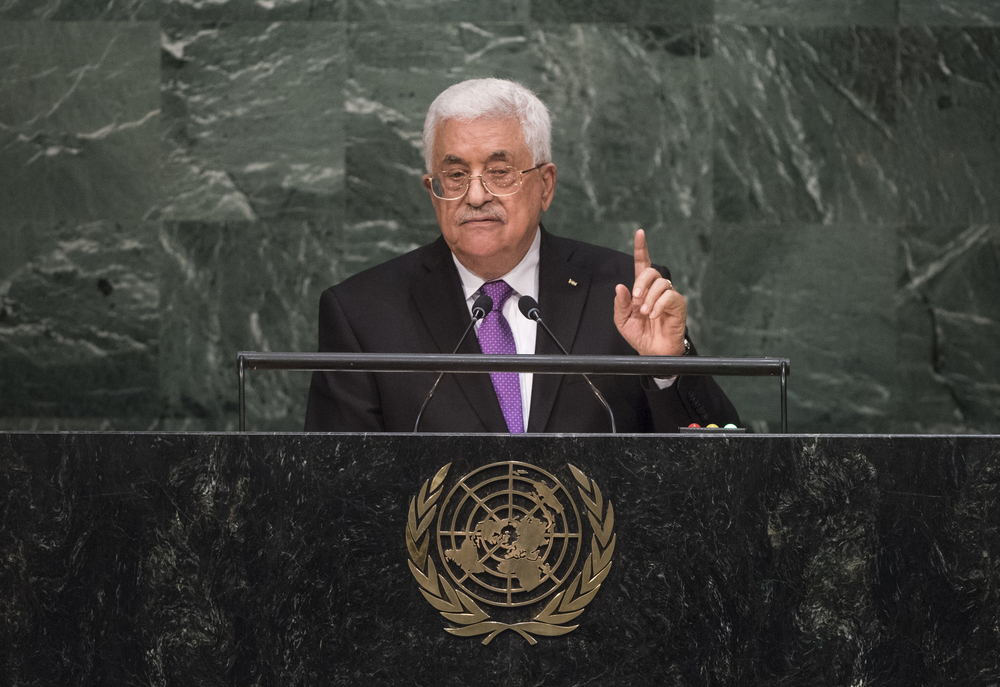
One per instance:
[(523, 278)]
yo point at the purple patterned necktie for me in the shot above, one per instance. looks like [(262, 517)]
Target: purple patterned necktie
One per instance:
[(495, 336)]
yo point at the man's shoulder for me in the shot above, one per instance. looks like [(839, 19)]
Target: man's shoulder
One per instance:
[(587, 249), (395, 273), (590, 256)]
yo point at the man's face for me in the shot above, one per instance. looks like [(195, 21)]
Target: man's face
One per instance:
[(489, 234)]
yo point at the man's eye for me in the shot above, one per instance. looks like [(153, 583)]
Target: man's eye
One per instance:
[(455, 176)]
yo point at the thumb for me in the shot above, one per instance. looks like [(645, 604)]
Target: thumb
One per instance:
[(623, 304)]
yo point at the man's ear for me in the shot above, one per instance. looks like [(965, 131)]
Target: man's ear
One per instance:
[(427, 182), (547, 174)]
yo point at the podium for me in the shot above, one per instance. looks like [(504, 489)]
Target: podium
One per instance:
[(271, 559)]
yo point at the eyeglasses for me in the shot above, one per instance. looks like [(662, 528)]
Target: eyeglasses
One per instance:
[(498, 181)]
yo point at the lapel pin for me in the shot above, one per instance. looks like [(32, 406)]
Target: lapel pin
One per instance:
[(572, 282)]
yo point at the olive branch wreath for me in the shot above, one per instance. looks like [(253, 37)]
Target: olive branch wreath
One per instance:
[(458, 607)]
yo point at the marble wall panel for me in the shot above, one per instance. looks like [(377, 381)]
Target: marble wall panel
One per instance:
[(821, 295), (806, 12), (949, 321), (635, 153), (79, 104), (79, 325), (806, 125), (81, 10), (436, 11), (949, 119), (205, 10), (253, 10), (640, 12), (254, 120), (949, 12), (240, 286)]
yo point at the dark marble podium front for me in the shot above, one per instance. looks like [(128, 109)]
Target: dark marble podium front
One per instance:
[(259, 559)]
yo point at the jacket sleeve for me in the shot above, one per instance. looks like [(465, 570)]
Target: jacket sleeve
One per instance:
[(341, 401), (690, 399)]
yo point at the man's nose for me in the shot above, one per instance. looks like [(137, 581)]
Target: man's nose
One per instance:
[(477, 194)]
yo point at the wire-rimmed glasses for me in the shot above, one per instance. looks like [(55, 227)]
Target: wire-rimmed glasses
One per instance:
[(498, 181)]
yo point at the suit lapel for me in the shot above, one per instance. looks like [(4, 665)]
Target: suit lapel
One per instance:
[(561, 304), (439, 298)]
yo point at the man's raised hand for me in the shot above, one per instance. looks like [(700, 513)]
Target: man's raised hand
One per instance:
[(651, 316)]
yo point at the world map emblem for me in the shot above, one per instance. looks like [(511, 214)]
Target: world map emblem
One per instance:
[(509, 537)]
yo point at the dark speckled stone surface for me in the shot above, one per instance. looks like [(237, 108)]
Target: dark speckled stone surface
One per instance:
[(211, 559)]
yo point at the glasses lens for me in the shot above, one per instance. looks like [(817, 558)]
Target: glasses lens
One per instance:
[(502, 179), (450, 184), (437, 187)]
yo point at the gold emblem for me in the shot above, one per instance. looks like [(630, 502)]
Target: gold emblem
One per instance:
[(509, 536)]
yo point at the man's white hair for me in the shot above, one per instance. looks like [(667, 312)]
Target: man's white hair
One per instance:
[(492, 99)]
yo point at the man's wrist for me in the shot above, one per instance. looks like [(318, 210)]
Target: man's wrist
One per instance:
[(687, 351)]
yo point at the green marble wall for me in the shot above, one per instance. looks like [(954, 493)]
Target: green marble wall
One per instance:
[(180, 179)]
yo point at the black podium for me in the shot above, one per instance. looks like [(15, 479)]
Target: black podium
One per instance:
[(256, 559)]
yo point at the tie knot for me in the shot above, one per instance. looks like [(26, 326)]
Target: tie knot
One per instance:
[(499, 291)]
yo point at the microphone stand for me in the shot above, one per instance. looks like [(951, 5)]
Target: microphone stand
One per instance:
[(483, 305), (529, 308)]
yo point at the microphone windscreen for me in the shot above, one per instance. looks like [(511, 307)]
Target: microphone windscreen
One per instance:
[(529, 308), (482, 306)]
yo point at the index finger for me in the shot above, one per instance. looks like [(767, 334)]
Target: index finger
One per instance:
[(642, 260)]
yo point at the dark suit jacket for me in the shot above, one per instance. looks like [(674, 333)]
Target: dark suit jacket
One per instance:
[(415, 304)]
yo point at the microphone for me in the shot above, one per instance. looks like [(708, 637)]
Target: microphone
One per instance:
[(529, 308), (482, 306)]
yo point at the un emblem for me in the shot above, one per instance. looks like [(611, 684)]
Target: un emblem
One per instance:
[(509, 536)]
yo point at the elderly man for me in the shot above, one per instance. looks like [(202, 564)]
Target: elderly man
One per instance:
[(487, 147)]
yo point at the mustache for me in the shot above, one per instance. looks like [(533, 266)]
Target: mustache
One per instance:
[(487, 212)]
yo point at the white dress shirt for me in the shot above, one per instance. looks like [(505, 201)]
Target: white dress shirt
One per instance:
[(524, 280)]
